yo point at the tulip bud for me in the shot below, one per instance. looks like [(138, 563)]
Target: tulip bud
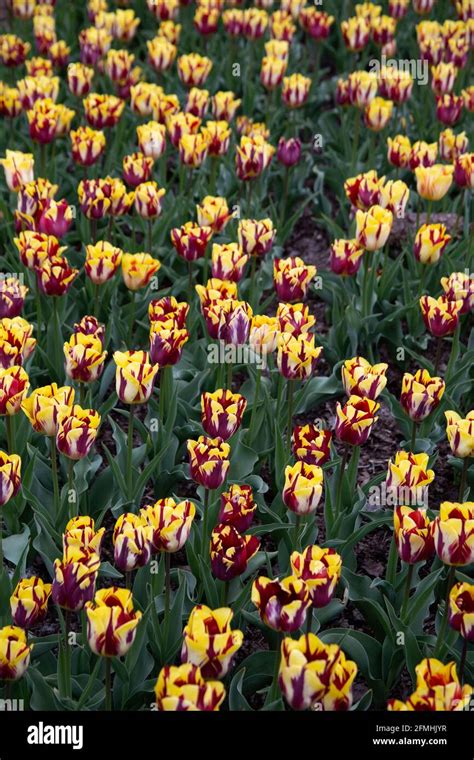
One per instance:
[(303, 488), (373, 227), (14, 653), (29, 602), (196, 103), (77, 431), (193, 69), (170, 523), (209, 461), (43, 406), (253, 156), (103, 110), (378, 113), (430, 242), (228, 261), (408, 478), (448, 109), (399, 150), (441, 317), (294, 318), (111, 622), (461, 610), (224, 105), (354, 420), (166, 343), (423, 154), (190, 240), (132, 542), (84, 357), (237, 507), (148, 200), (152, 139), (291, 278), (138, 269), (55, 276), (233, 325), (460, 433), (314, 674), (80, 533), (209, 643), (134, 376), (289, 151), (168, 308), (356, 33), (10, 476), (454, 533), (256, 237), (183, 688), (312, 445), (213, 212), (421, 394), (221, 413), (413, 534), (87, 145), (362, 88), (360, 378), (263, 334), (137, 169), (18, 168), (320, 569), (346, 257), (433, 182), (459, 286), (75, 578), (231, 552), (297, 356), (102, 261), (282, 604), (14, 384), (79, 79)]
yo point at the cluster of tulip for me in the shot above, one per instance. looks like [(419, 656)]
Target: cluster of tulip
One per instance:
[(169, 140)]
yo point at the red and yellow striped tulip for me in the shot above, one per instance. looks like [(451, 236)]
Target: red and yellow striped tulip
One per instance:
[(183, 689), (253, 156), (399, 150), (423, 154), (102, 261), (18, 168), (12, 297), (303, 488), (152, 139), (193, 69), (354, 420), (356, 33), (373, 227), (79, 79), (196, 102), (80, 533), (134, 376), (421, 394), (224, 105), (148, 200), (228, 261), (360, 378), (170, 523), (459, 286), (132, 542), (208, 461), (221, 413), (454, 533), (138, 269), (237, 507), (213, 212), (460, 433), (461, 610), (291, 278), (103, 110), (320, 569), (75, 577), (77, 431), (256, 237), (311, 445), (231, 552), (297, 356), (111, 622), (29, 602), (430, 242), (43, 406), (294, 318), (87, 145), (408, 477), (413, 534), (441, 317), (84, 358), (14, 385), (263, 333), (346, 257), (14, 653), (166, 343), (190, 240), (433, 182), (209, 643), (282, 604)]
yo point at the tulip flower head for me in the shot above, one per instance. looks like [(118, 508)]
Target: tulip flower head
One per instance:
[(346, 257), (132, 542), (18, 168), (77, 431), (303, 488), (297, 357), (183, 688), (282, 604), (209, 643), (209, 461), (134, 376), (221, 413), (454, 533), (320, 569), (231, 552), (430, 242), (354, 420), (14, 385), (413, 534), (460, 433), (29, 602), (360, 378), (408, 478), (437, 689), (80, 533), (311, 445), (170, 523), (421, 394), (461, 610), (14, 653), (373, 227), (237, 507), (433, 182), (441, 317), (111, 622), (75, 577)]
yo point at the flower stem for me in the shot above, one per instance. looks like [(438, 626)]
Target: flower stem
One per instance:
[(391, 569), (342, 469), (108, 684), (414, 431), (258, 381), (225, 593), (54, 472), (290, 416), (309, 620), (132, 319), (462, 484), (462, 663), (406, 594), (9, 423), (274, 688), (70, 487), (205, 522), (130, 454), (439, 346), (444, 622)]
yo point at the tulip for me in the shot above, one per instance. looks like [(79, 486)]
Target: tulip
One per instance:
[(237, 507), (166, 344), (213, 212), (413, 535), (56, 217), (423, 154), (468, 95), (311, 445), (233, 323), (316, 23), (256, 237), (255, 21), (93, 44), (320, 569), (10, 103), (282, 604), (433, 182), (360, 378), (459, 286), (196, 102), (461, 610), (228, 261), (295, 90), (354, 420), (79, 79), (263, 334), (230, 552), (77, 431), (138, 269), (152, 139), (443, 78), (193, 69), (289, 151), (16, 341), (137, 169), (373, 227), (74, 578), (209, 643), (43, 406), (408, 478), (14, 384), (216, 290), (59, 53), (315, 675), (80, 533), (29, 602), (303, 488), (448, 108), (170, 522), (103, 110), (84, 357), (362, 88), (441, 317), (14, 653), (148, 200), (454, 533), (395, 84), (87, 145), (438, 689), (181, 124), (221, 413), (47, 120), (111, 622), (224, 105), (346, 257), (190, 240), (272, 71), (18, 168), (378, 113), (166, 309), (394, 196), (209, 461), (132, 542), (420, 394), (134, 376), (193, 149), (183, 688), (430, 242), (460, 433), (102, 261), (356, 33), (292, 277), (55, 276), (253, 156), (297, 356), (464, 171), (399, 150), (365, 190), (294, 319)]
